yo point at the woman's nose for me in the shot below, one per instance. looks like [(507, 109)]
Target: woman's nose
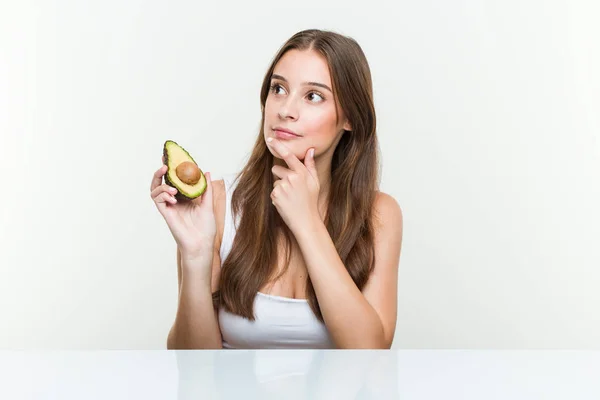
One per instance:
[(288, 110)]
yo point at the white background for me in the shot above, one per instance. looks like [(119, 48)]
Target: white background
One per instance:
[(488, 116)]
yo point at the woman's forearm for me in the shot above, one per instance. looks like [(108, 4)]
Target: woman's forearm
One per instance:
[(351, 320), (195, 325)]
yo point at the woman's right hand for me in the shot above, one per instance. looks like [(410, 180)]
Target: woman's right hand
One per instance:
[(191, 222)]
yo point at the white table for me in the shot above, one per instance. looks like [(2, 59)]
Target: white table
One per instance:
[(283, 374)]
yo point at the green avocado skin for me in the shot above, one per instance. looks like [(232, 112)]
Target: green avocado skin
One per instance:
[(179, 196)]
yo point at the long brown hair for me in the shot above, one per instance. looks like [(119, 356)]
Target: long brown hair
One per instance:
[(252, 260)]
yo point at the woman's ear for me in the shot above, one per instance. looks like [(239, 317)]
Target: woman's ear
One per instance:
[(347, 126)]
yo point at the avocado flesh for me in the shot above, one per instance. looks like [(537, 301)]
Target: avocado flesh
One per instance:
[(174, 155)]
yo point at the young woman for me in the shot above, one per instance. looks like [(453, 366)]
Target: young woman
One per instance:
[(299, 249)]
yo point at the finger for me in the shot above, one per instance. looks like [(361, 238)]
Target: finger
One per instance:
[(282, 183), (157, 177), (274, 197), (285, 153), (164, 188), (281, 172), (165, 197), (309, 162)]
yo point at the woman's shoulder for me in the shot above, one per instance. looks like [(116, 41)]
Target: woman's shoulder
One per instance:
[(220, 187), (387, 209)]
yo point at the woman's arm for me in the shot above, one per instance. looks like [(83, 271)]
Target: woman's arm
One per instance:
[(196, 323), (357, 319)]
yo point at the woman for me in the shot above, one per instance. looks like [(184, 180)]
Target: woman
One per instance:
[(300, 249)]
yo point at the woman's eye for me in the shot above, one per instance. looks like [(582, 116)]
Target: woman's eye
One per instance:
[(275, 87), (318, 97)]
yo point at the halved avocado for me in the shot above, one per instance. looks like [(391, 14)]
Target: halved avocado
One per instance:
[(190, 185)]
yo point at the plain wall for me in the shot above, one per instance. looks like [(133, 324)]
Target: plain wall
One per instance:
[(488, 117)]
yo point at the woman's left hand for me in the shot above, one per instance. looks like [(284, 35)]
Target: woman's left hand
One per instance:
[(296, 193)]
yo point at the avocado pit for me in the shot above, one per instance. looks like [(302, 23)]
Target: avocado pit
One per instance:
[(188, 172)]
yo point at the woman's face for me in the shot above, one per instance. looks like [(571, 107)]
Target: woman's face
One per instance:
[(300, 100)]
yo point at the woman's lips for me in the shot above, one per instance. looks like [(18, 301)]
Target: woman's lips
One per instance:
[(284, 134)]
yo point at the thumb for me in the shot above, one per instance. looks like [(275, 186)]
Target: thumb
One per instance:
[(309, 162)]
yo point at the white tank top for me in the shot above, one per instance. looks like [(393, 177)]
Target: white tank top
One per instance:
[(281, 322)]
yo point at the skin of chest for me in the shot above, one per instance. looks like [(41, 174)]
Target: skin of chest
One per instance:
[(293, 281)]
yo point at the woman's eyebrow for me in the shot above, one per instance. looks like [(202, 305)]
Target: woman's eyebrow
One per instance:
[(275, 76)]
